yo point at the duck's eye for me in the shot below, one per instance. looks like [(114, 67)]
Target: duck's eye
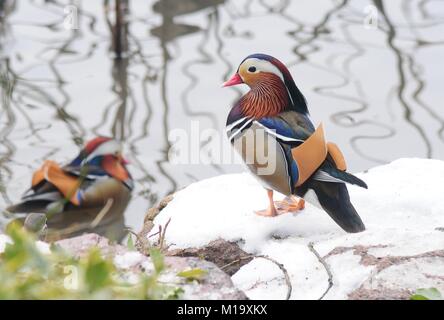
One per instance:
[(252, 69)]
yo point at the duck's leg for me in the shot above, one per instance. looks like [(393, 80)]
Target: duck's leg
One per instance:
[(289, 204), (271, 210)]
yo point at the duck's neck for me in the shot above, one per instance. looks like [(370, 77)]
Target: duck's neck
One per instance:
[(267, 98)]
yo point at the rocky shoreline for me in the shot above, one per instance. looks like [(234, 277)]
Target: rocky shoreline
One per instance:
[(295, 256)]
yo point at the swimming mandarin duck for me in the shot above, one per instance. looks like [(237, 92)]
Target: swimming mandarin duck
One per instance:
[(96, 180), (271, 128)]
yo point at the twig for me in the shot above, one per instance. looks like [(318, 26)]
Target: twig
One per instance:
[(131, 232), (102, 213), (154, 234), (327, 268), (280, 265), (236, 261), (142, 242), (162, 235)]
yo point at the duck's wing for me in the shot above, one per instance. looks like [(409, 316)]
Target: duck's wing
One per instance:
[(291, 129), (37, 199), (328, 182), (52, 184)]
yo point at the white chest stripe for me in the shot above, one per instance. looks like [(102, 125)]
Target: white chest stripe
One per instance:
[(235, 123), (239, 130)]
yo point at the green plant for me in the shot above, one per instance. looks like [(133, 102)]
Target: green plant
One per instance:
[(427, 294), (193, 274), (27, 273)]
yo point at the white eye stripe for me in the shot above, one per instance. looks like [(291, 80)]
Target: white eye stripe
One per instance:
[(239, 130), (264, 66)]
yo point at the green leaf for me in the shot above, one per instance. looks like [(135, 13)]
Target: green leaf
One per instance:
[(193, 274), (427, 294), (98, 271), (157, 259), (171, 293), (23, 251), (27, 273), (130, 243)]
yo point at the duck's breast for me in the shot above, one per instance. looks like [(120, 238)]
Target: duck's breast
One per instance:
[(265, 158)]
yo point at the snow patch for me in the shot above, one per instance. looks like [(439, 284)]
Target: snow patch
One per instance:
[(402, 210), (4, 240), (128, 259)]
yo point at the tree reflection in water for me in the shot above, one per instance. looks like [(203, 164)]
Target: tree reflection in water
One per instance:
[(150, 67)]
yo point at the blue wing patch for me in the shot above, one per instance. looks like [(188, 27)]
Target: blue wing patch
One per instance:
[(293, 170), (280, 129)]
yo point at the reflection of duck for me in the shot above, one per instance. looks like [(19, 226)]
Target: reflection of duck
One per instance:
[(272, 130), (169, 30), (94, 187), (174, 8)]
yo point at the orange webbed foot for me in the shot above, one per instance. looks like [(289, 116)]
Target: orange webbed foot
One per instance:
[(288, 204), (269, 212)]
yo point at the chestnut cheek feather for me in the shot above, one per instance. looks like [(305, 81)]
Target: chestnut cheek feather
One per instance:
[(114, 168), (267, 97)]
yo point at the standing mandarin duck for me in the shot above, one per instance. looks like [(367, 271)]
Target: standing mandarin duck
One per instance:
[(96, 182), (271, 128)]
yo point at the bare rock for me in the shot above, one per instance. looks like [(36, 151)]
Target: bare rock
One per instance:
[(216, 285), (394, 276), (80, 245), (225, 254), (148, 223), (400, 279)]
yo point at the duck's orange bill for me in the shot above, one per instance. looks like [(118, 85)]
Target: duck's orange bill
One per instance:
[(65, 183), (310, 154), (234, 80)]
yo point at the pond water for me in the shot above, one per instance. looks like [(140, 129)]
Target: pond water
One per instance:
[(372, 72)]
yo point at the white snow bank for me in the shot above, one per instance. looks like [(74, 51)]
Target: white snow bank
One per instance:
[(402, 210), (43, 247), (4, 240), (128, 259)]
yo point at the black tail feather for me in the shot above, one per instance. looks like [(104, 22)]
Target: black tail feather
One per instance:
[(28, 207), (335, 200), (346, 177)]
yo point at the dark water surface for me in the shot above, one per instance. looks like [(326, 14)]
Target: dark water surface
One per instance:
[(372, 71)]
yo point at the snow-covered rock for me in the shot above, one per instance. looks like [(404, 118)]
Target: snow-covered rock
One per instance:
[(401, 250)]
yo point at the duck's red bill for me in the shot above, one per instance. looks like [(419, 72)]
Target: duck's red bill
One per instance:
[(235, 79)]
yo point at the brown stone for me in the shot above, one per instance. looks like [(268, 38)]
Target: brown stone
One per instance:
[(226, 255), (216, 285)]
